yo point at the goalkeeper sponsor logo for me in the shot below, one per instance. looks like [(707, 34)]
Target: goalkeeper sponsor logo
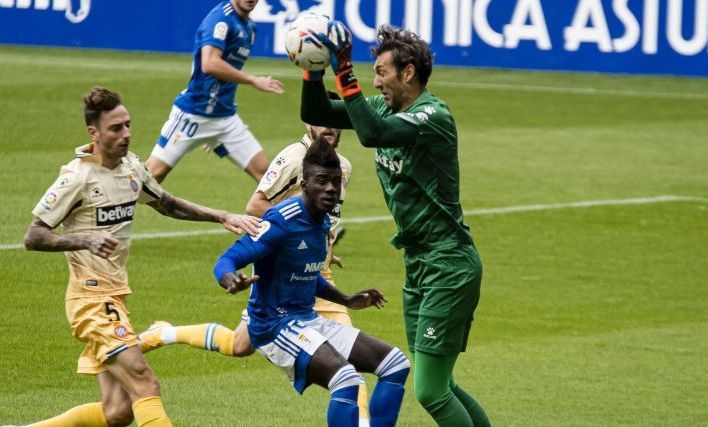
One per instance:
[(395, 166), (115, 214)]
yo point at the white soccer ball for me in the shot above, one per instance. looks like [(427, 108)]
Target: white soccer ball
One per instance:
[(304, 48)]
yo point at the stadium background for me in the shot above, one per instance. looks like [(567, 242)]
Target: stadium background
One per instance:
[(587, 195), (621, 36)]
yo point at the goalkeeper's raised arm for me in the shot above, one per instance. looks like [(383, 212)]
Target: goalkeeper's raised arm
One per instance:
[(367, 117)]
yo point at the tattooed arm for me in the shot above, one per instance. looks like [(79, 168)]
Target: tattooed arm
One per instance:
[(40, 237), (175, 207)]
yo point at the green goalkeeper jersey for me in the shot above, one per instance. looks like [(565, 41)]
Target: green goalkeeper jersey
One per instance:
[(416, 161), (420, 180)]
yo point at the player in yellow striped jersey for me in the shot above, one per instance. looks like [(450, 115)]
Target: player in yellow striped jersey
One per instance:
[(280, 182), (94, 199)]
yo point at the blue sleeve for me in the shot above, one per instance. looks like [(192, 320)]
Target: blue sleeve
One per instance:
[(214, 31), (320, 284), (251, 249)]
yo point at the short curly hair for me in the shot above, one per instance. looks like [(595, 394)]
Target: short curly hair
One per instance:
[(98, 100), (321, 154), (406, 48)]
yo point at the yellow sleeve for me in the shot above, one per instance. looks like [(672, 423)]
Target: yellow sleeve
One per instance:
[(65, 195), (283, 173), (150, 189)]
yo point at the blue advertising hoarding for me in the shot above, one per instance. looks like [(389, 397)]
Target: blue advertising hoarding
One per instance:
[(618, 36)]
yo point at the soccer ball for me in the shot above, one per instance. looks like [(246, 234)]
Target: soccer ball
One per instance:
[(304, 48)]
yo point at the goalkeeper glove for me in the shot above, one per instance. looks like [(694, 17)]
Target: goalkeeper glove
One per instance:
[(339, 42)]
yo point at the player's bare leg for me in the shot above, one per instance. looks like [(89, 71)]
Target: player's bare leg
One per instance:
[(242, 344), (157, 168), (257, 166), (116, 402), (130, 369)]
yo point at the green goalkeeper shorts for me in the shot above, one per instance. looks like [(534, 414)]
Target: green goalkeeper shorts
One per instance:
[(439, 298)]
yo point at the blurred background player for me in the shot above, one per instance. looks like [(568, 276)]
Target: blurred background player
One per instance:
[(280, 182), (205, 112), (288, 254), (94, 199), (415, 138)]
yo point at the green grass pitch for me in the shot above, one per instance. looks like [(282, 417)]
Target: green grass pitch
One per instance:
[(591, 313)]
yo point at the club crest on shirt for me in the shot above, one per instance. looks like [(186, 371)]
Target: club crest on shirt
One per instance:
[(133, 184)]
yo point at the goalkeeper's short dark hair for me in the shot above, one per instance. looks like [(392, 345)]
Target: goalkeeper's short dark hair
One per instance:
[(321, 154), (97, 101), (406, 48)]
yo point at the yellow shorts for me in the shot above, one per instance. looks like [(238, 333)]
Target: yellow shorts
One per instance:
[(103, 323)]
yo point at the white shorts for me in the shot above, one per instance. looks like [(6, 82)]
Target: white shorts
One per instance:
[(295, 345), (227, 136)]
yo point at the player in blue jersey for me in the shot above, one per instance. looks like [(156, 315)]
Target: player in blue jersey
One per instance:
[(288, 253), (205, 112)]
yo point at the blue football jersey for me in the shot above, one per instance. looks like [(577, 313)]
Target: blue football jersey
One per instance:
[(288, 254), (222, 28)]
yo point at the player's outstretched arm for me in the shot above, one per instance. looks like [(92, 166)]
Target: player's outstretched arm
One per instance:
[(214, 65), (183, 209), (258, 204), (234, 282), (362, 299), (318, 110), (367, 298), (40, 237)]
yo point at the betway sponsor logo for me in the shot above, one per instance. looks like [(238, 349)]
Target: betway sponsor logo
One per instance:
[(110, 215)]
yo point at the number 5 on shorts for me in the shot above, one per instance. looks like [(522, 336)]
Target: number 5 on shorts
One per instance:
[(110, 310)]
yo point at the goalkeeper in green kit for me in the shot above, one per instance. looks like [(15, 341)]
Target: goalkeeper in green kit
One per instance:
[(415, 138)]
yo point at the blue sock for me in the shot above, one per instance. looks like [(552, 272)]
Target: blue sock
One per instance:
[(387, 398), (342, 410)]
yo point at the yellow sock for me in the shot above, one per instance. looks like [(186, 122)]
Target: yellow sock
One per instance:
[(210, 336), (362, 401), (149, 412), (88, 415)]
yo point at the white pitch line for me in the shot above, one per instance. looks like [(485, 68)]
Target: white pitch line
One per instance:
[(473, 212), (572, 90), (182, 68)]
